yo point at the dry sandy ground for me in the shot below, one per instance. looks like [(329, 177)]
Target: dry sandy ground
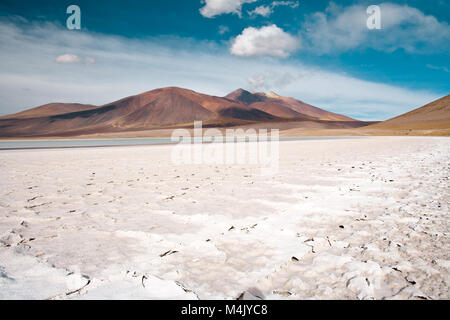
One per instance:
[(363, 218), (285, 130), (364, 131)]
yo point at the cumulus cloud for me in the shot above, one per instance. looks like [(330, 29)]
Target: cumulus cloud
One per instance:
[(68, 58), (214, 8), (265, 41), (341, 29), (264, 11), (132, 66)]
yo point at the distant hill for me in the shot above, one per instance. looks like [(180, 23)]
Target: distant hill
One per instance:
[(435, 115), (50, 109), (164, 108)]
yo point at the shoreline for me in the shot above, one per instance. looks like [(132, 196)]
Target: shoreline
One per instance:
[(281, 139)]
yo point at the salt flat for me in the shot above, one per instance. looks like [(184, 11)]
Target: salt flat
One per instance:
[(361, 218)]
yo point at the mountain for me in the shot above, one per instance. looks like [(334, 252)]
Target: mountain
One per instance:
[(435, 115), (50, 109), (244, 96), (161, 108), (284, 107)]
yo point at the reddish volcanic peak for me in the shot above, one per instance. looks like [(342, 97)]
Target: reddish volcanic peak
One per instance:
[(284, 107), (245, 96), (159, 108)]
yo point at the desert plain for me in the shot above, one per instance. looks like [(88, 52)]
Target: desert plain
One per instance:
[(342, 218)]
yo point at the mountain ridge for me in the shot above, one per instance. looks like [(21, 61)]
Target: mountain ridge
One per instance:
[(161, 108)]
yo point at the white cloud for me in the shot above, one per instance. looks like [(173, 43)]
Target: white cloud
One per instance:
[(292, 4), (341, 29), (262, 11), (68, 58), (73, 58), (266, 11), (265, 41), (128, 66), (214, 8)]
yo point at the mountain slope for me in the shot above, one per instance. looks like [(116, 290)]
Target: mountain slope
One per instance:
[(283, 106), (246, 97), (49, 110), (156, 109), (435, 115)]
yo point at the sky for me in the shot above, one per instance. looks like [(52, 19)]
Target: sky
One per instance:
[(320, 52)]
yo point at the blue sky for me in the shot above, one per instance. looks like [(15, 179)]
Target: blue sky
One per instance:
[(320, 52)]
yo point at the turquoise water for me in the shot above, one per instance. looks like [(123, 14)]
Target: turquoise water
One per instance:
[(50, 144)]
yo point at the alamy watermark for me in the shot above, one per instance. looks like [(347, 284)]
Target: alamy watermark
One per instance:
[(374, 19), (74, 20), (237, 146)]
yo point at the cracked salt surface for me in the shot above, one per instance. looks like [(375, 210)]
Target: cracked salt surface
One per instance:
[(345, 219)]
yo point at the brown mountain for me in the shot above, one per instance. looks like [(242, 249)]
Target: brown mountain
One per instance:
[(284, 107), (50, 109), (160, 108), (435, 115)]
